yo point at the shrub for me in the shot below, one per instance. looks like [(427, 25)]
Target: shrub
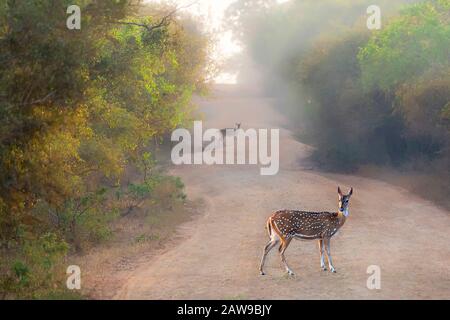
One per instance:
[(35, 269)]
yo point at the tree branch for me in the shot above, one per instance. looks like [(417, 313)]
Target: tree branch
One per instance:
[(164, 22), (37, 101)]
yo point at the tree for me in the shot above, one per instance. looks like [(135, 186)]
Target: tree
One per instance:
[(78, 107), (409, 46)]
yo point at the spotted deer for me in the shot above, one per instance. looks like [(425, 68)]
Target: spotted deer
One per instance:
[(224, 131), (285, 225)]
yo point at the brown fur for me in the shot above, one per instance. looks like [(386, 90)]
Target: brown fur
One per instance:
[(285, 225)]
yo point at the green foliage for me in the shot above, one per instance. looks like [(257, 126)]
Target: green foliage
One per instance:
[(36, 266), (409, 46), (359, 97), (159, 191), (77, 110), (410, 59), (277, 35), (355, 126), (423, 103)]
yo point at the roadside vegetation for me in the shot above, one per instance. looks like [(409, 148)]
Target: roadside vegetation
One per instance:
[(360, 97), (81, 112)]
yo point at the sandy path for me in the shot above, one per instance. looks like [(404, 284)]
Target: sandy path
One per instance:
[(406, 236)]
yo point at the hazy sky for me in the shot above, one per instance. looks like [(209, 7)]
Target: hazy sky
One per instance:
[(211, 13)]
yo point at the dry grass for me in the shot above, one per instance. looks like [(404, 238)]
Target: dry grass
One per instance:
[(137, 238)]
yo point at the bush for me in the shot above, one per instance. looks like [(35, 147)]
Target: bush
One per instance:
[(35, 269), (364, 113), (348, 126), (77, 109)]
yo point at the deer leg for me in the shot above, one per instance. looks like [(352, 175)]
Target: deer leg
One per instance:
[(283, 247), (322, 255), (330, 261), (269, 246)]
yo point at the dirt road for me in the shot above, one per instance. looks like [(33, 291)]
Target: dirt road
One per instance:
[(409, 238)]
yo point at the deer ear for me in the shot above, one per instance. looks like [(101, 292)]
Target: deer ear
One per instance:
[(351, 191), (339, 191)]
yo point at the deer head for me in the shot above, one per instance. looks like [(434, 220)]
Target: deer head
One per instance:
[(344, 201)]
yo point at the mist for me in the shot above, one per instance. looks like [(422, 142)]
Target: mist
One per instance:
[(360, 97), (96, 201)]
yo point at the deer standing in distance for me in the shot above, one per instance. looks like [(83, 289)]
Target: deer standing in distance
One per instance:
[(285, 225), (223, 133), (236, 127)]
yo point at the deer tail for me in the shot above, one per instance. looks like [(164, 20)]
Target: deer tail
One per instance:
[(269, 227)]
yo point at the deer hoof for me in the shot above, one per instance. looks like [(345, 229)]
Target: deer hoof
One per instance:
[(324, 269), (333, 270), (262, 273), (290, 273)]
